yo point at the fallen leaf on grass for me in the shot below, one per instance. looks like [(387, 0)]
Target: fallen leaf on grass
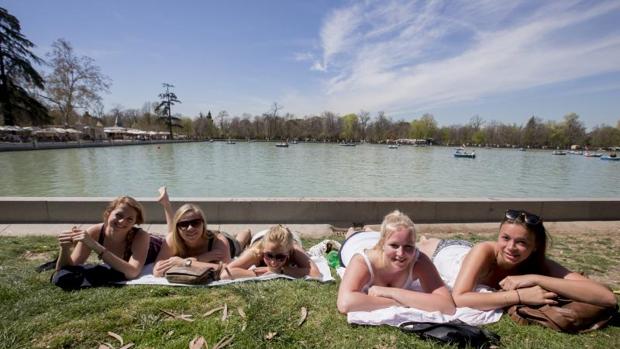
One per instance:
[(116, 336), (213, 311), (241, 312), (269, 336), (183, 317), (198, 343), (105, 346), (169, 334), (225, 312), (127, 346), (304, 315), (226, 340)]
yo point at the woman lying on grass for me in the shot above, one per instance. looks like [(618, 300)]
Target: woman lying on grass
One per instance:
[(515, 264), (393, 273), (117, 241), (189, 241), (275, 252)]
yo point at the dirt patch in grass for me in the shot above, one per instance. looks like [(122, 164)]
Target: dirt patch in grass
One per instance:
[(36, 256)]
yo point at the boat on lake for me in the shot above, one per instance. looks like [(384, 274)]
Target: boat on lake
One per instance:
[(461, 153), (282, 145), (592, 155), (348, 144), (612, 157), (558, 152), (393, 146)]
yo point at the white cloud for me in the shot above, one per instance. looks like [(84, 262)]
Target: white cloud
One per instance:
[(401, 55)]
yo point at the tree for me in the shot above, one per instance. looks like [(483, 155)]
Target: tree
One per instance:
[(75, 82), (574, 129), (350, 127), (168, 99), (424, 128), (16, 71)]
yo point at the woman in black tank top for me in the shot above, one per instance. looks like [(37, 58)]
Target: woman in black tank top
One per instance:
[(118, 243), (189, 241)]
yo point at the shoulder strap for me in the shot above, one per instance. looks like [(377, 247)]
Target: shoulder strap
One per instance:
[(210, 242), (101, 235), (368, 264)]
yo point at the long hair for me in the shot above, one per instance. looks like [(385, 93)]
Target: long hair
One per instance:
[(129, 201), (534, 264), (277, 234), (179, 247)]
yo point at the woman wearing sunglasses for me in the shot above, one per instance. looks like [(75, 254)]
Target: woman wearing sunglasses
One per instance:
[(392, 273), (190, 242), (277, 252), (515, 265)]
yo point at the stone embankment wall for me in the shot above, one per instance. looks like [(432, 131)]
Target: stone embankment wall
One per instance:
[(341, 211)]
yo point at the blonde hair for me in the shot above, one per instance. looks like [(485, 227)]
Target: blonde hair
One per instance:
[(277, 234), (179, 247), (125, 200), (391, 223)]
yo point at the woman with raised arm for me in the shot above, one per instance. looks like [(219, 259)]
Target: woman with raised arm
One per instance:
[(515, 264), (119, 244), (275, 251), (189, 241), (393, 273)]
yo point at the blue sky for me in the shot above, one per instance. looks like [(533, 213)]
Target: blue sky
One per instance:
[(500, 60)]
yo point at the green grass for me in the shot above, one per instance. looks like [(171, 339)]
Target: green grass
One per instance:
[(36, 314)]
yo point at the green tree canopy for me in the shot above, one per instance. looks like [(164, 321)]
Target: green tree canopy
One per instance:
[(17, 74)]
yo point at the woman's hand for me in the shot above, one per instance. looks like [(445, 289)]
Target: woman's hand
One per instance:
[(379, 291), (518, 281), (163, 266), (163, 198), (536, 295), (85, 238), (65, 238)]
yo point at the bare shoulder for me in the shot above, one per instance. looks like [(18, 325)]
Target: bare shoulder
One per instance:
[(94, 230)]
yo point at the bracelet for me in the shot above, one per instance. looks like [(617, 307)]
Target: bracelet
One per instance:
[(100, 254), (518, 296)]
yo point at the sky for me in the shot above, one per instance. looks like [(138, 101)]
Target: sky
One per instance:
[(499, 60)]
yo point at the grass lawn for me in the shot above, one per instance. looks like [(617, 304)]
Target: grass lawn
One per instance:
[(35, 314)]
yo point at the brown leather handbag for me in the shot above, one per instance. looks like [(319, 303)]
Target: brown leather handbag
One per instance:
[(193, 275), (566, 316)]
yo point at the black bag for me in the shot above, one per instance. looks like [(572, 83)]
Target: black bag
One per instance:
[(75, 277), (455, 332)]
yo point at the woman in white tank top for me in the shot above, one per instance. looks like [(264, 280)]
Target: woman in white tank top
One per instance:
[(393, 273)]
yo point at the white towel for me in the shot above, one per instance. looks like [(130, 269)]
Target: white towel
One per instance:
[(147, 277), (394, 316)]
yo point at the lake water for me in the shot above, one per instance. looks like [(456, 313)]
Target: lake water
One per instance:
[(260, 169)]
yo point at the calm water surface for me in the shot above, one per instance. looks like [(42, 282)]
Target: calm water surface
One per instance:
[(304, 170)]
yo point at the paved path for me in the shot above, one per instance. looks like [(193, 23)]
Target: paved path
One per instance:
[(318, 231)]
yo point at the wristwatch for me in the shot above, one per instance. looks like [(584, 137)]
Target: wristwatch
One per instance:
[(188, 262)]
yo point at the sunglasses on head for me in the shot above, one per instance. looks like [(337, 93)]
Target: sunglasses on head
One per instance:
[(528, 218), (278, 257), (193, 222)]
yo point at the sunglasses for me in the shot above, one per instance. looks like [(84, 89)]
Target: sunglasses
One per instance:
[(193, 222), (278, 257), (528, 218)]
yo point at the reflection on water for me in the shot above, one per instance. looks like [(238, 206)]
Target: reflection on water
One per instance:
[(304, 170)]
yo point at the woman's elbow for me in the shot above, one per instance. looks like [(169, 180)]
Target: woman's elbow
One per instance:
[(609, 300), (344, 306), (447, 306)]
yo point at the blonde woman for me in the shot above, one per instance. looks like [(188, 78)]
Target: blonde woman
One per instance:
[(276, 252), (189, 241), (393, 273)]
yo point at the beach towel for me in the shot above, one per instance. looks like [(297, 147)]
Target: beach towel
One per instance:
[(395, 316), (147, 277)]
